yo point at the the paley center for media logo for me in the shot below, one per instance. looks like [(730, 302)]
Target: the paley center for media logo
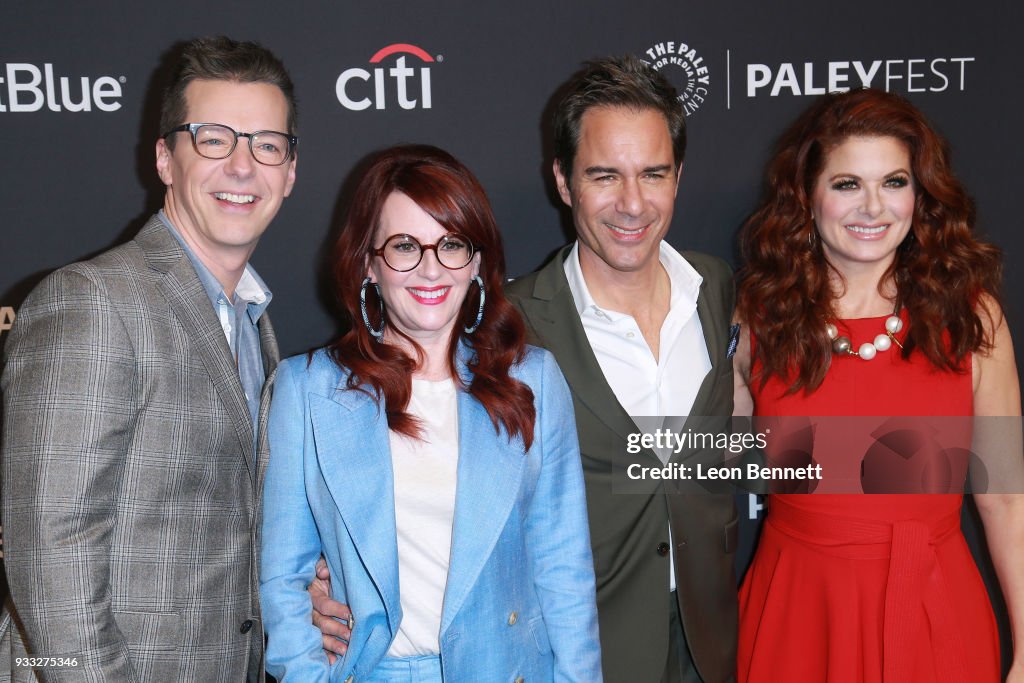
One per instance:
[(399, 74), (30, 88), (684, 68)]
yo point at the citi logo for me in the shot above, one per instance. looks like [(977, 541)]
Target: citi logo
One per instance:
[(29, 88), (357, 89)]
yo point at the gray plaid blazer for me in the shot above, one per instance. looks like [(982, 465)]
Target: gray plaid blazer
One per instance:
[(131, 490)]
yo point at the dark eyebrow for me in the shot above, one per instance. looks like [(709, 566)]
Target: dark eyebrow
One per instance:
[(662, 168), (600, 170), (854, 176)]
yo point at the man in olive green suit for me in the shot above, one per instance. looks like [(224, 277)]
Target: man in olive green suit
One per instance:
[(639, 329)]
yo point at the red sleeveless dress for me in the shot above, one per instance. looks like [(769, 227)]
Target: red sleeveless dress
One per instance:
[(876, 588)]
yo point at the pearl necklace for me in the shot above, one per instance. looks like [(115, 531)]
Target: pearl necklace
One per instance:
[(867, 350)]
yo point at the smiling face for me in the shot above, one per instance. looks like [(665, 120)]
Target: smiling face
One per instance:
[(622, 190), (222, 206), (423, 303), (863, 202)]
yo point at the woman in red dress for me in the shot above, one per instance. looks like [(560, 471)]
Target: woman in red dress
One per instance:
[(865, 293)]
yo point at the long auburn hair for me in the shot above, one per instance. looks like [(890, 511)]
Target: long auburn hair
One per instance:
[(451, 195), (942, 272)]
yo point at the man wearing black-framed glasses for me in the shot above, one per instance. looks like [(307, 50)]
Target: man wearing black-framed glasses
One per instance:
[(134, 386), (217, 141)]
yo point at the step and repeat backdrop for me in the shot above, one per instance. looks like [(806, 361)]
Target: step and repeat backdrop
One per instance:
[(79, 103)]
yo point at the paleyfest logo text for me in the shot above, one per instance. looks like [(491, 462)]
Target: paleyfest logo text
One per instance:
[(937, 74)]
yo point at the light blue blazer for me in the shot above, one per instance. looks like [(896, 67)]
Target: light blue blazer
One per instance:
[(519, 601)]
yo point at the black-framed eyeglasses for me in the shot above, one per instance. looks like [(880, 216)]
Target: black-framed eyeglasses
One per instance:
[(217, 141), (404, 252)]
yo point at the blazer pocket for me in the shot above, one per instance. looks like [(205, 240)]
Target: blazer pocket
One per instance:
[(540, 635), (160, 631), (732, 535)]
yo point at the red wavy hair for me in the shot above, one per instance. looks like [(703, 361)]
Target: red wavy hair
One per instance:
[(451, 195), (941, 270)]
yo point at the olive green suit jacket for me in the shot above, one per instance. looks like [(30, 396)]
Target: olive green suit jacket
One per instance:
[(627, 530)]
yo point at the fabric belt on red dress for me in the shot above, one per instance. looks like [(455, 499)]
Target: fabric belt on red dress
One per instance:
[(914, 579)]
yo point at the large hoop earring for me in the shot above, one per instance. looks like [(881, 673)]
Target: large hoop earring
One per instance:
[(480, 311), (377, 334)]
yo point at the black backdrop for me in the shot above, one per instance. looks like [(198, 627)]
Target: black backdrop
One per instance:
[(76, 182)]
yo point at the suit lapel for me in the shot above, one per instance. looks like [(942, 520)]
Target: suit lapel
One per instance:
[(191, 306), (354, 454), (263, 450), (268, 346), (552, 314), (489, 473), (271, 357), (712, 339)]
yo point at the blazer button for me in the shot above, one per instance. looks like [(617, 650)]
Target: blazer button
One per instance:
[(519, 679), (513, 618), (246, 626), (663, 549)]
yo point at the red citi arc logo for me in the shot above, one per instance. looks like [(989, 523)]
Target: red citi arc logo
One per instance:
[(358, 89)]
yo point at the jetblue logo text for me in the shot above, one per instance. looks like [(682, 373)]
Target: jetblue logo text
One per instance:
[(29, 88), (907, 75), (358, 89), (6, 318)]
